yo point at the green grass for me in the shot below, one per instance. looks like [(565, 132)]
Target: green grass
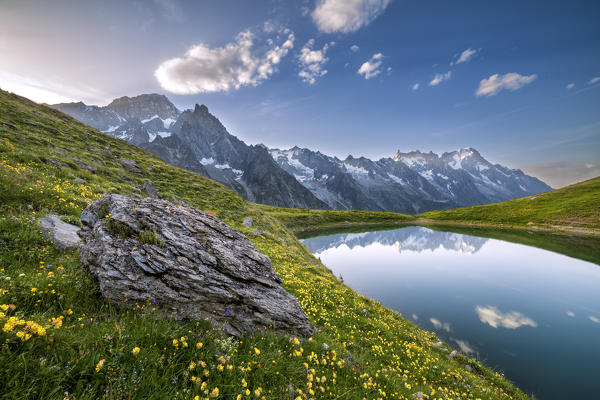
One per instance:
[(374, 354), (301, 219), (575, 207)]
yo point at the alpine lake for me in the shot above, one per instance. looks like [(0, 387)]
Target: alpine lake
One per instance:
[(522, 303)]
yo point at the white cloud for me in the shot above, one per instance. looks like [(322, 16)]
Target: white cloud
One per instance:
[(49, 92), (415, 86), (495, 83), (437, 324), (464, 346), (171, 10), (465, 56), (203, 69), (312, 62), (354, 48), (570, 313), (511, 320), (594, 80), (371, 68), (594, 319), (439, 78), (346, 16), (570, 86)]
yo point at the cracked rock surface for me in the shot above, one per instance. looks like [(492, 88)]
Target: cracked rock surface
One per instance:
[(190, 263)]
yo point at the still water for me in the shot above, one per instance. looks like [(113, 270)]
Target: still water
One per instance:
[(530, 313)]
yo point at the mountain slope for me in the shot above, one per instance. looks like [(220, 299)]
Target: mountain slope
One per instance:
[(87, 350), (195, 140), (573, 207), (408, 182)]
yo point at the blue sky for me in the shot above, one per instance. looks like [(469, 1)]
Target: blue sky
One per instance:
[(518, 80)]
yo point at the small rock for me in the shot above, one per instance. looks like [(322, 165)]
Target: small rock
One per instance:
[(62, 234), (437, 344), (107, 154), (123, 176), (366, 313), (149, 189), (260, 233), (453, 354), (84, 165), (130, 165), (468, 367), (78, 180), (247, 222), (419, 395), (55, 163), (445, 350), (325, 346)]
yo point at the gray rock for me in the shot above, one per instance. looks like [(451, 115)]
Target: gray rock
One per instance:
[(78, 180), (107, 154), (366, 313), (190, 263), (62, 234), (325, 346), (149, 189), (453, 354), (84, 165), (419, 395), (437, 344), (260, 233), (468, 367), (130, 165), (247, 222)]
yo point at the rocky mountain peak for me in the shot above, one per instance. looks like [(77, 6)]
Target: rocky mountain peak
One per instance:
[(202, 109), (144, 106)]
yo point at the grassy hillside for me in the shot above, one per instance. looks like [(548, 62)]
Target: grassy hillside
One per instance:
[(574, 208), (61, 339)]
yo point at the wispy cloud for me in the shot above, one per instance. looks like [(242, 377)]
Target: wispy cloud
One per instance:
[(465, 56), (415, 86), (312, 62), (204, 69), (47, 91), (496, 83), (594, 80), (171, 10), (570, 86), (439, 78), (345, 16), (495, 318), (354, 48), (371, 68), (437, 324)]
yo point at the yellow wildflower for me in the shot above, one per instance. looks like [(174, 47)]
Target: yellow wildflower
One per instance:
[(99, 365), (135, 351)]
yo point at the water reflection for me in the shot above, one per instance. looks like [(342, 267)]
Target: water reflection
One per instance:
[(414, 238), (530, 313)]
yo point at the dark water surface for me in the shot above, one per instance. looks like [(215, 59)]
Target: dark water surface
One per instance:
[(530, 313)]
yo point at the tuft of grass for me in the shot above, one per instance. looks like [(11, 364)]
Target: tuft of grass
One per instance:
[(79, 346)]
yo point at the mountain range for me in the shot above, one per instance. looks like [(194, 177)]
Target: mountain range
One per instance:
[(410, 182)]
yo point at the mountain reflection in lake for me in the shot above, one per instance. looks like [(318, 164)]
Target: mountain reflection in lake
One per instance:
[(530, 313)]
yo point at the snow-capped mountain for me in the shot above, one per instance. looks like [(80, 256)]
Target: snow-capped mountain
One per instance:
[(408, 182), (416, 239), (196, 140)]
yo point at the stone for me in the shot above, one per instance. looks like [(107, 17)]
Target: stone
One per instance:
[(437, 344), (468, 367), (107, 154), (84, 165), (260, 233), (149, 189), (366, 313), (189, 263), (62, 234), (419, 395), (79, 180), (452, 354), (130, 165), (325, 346), (247, 222)]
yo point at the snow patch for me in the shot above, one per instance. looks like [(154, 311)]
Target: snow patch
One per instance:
[(207, 161), (355, 170)]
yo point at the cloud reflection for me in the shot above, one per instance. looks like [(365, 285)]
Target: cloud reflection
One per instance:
[(437, 324), (495, 318)]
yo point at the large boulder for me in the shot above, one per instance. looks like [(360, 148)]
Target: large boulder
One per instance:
[(63, 235), (188, 262)]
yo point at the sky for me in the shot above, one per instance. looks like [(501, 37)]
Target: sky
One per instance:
[(517, 80)]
